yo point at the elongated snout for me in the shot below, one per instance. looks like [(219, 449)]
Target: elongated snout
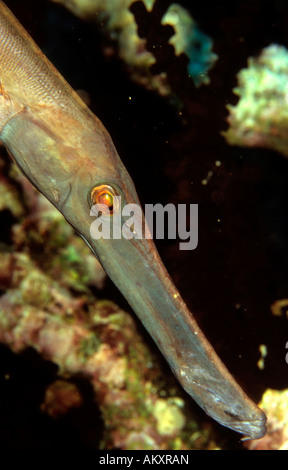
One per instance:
[(137, 270)]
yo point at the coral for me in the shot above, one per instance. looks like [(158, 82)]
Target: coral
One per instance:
[(189, 39), (168, 415), (117, 20), (101, 345), (275, 405), (61, 396), (260, 118)]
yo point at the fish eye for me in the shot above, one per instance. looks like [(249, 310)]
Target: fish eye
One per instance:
[(105, 194)]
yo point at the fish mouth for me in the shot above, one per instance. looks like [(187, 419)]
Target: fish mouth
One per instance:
[(255, 429), (241, 414), (136, 269), (258, 431)]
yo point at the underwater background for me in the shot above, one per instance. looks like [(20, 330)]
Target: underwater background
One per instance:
[(168, 117)]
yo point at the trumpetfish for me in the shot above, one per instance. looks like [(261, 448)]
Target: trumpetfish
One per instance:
[(68, 155)]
